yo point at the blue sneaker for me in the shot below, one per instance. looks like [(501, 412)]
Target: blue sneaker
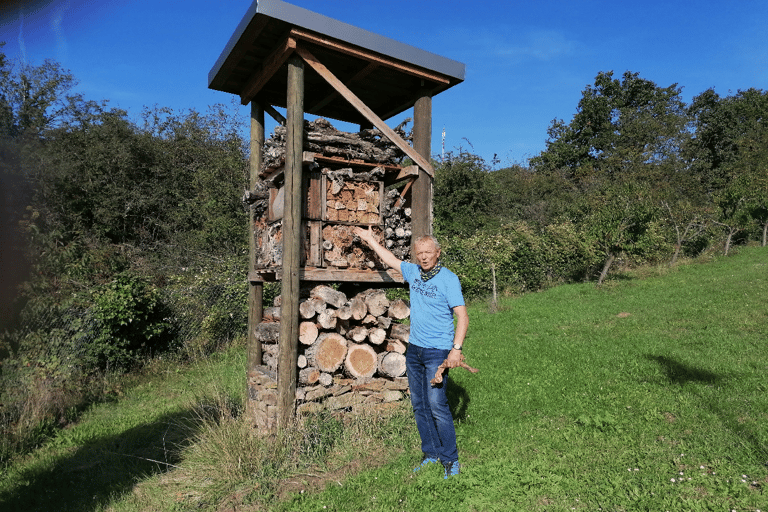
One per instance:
[(425, 461), (451, 468)]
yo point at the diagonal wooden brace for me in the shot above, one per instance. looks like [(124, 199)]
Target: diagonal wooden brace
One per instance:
[(361, 107)]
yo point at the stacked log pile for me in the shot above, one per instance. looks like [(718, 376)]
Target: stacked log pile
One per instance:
[(321, 137), (353, 196), (346, 346)]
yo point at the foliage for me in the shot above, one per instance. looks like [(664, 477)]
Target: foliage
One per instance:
[(620, 125), (130, 322), (523, 258), (725, 130), (460, 198)]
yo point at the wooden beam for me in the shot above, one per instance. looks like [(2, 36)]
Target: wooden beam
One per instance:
[(421, 194), (274, 114), (331, 275), (356, 51), (255, 288), (361, 107), (289, 323), (268, 68)]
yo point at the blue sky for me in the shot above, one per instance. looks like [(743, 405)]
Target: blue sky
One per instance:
[(526, 62)]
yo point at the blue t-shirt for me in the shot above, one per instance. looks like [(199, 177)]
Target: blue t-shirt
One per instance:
[(432, 304)]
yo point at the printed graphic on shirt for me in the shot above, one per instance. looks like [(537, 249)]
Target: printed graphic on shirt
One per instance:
[(424, 289)]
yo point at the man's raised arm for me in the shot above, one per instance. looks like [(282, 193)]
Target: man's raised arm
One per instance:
[(366, 235)]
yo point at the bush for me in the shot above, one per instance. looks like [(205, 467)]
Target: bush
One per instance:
[(129, 321)]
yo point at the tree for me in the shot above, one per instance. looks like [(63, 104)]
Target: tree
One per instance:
[(620, 218), (723, 129), (460, 197), (620, 125)]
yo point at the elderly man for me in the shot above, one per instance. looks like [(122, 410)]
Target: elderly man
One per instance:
[(435, 298)]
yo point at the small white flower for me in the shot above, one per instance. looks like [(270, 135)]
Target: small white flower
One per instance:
[(672, 480)]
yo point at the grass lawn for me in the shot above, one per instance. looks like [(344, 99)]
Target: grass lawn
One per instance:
[(645, 394)]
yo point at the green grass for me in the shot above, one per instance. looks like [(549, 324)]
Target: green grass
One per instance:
[(646, 394)]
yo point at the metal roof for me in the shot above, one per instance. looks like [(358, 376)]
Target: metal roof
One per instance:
[(387, 75)]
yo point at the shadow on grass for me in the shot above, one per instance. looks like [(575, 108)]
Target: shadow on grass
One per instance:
[(92, 475), (681, 373), (458, 400)]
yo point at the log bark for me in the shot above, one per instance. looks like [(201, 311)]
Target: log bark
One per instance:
[(400, 332), (361, 361), (377, 335), (328, 352), (268, 332), (399, 310), (269, 360), (328, 295), (307, 309), (396, 346), (309, 376), (307, 333), (327, 319), (358, 307), (326, 379), (358, 334), (376, 301), (391, 364)]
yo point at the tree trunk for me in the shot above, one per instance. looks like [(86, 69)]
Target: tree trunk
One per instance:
[(328, 295), (675, 255), (765, 234), (309, 376), (267, 332), (392, 364), (376, 301), (606, 267), (307, 333), (361, 361), (358, 307), (400, 332), (399, 310), (328, 352), (377, 335)]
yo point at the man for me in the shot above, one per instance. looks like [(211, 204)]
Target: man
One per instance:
[(435, 297)]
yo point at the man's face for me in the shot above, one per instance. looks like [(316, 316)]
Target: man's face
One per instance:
[(427, 255)]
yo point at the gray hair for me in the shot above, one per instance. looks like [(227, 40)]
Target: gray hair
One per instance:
[(427, 238)]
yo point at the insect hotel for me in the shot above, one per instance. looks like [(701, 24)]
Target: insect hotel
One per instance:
[(310, 185)]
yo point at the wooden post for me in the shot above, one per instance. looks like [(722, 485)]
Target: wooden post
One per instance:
[(421, 192), (289, 315), (255, 289)]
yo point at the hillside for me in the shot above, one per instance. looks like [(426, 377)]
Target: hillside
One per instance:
[(645, 394)]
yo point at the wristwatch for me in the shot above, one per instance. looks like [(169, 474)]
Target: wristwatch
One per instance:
[(457, 348)]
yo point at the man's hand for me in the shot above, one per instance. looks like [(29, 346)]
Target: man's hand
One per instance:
[(366, 235), (454, 359)]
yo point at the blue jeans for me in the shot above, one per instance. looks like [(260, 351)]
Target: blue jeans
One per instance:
[(430, 403)]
